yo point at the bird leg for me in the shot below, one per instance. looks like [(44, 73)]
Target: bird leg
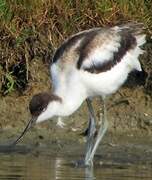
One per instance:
[(90, 132), (101, 132)]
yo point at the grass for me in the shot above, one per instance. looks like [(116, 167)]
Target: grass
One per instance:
[(26, 26)]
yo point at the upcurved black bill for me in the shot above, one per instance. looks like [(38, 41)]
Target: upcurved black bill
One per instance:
[(29, 125)]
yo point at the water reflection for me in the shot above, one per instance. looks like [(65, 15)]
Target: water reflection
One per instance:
[(47, 167), (89, 173)]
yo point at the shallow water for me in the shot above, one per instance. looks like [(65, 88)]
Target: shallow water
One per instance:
[(22, 164)]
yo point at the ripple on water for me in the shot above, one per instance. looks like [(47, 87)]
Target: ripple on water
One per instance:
[(22, 166)]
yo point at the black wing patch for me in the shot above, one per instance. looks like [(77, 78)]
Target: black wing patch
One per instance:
[(87, 37), (127, 42)]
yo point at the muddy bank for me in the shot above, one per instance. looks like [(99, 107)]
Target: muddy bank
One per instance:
[(129, 110), (28, 41)]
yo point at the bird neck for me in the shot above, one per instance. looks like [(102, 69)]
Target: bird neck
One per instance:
[(72, 99), (68, 106), (65, 107)]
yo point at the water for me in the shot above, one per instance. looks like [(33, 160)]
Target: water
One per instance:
[(25, 165)]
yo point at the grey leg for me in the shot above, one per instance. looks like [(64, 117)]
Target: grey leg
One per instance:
[(90, 132), (101, 132)]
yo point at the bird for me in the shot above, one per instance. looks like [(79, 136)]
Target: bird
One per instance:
[(91, 63)]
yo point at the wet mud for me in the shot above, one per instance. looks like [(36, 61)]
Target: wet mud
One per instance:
[(115, 150)]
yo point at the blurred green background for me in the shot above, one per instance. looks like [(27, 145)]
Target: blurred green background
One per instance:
[(34, 29)]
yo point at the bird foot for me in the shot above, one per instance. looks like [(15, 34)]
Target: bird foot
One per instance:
[(82, 164), (60, 123)]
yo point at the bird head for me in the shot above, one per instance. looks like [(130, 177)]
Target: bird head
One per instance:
[(42, 107)]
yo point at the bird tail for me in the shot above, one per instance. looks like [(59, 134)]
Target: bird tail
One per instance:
[(141, 39), (137, 30), (133, 27)]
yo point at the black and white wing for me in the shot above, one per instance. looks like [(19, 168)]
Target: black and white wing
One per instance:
[(108, 47), (99, 49)]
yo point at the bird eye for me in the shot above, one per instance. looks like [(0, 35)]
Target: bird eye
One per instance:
[(40, 108)]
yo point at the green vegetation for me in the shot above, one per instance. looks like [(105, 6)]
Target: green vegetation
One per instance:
[(32, 28)]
